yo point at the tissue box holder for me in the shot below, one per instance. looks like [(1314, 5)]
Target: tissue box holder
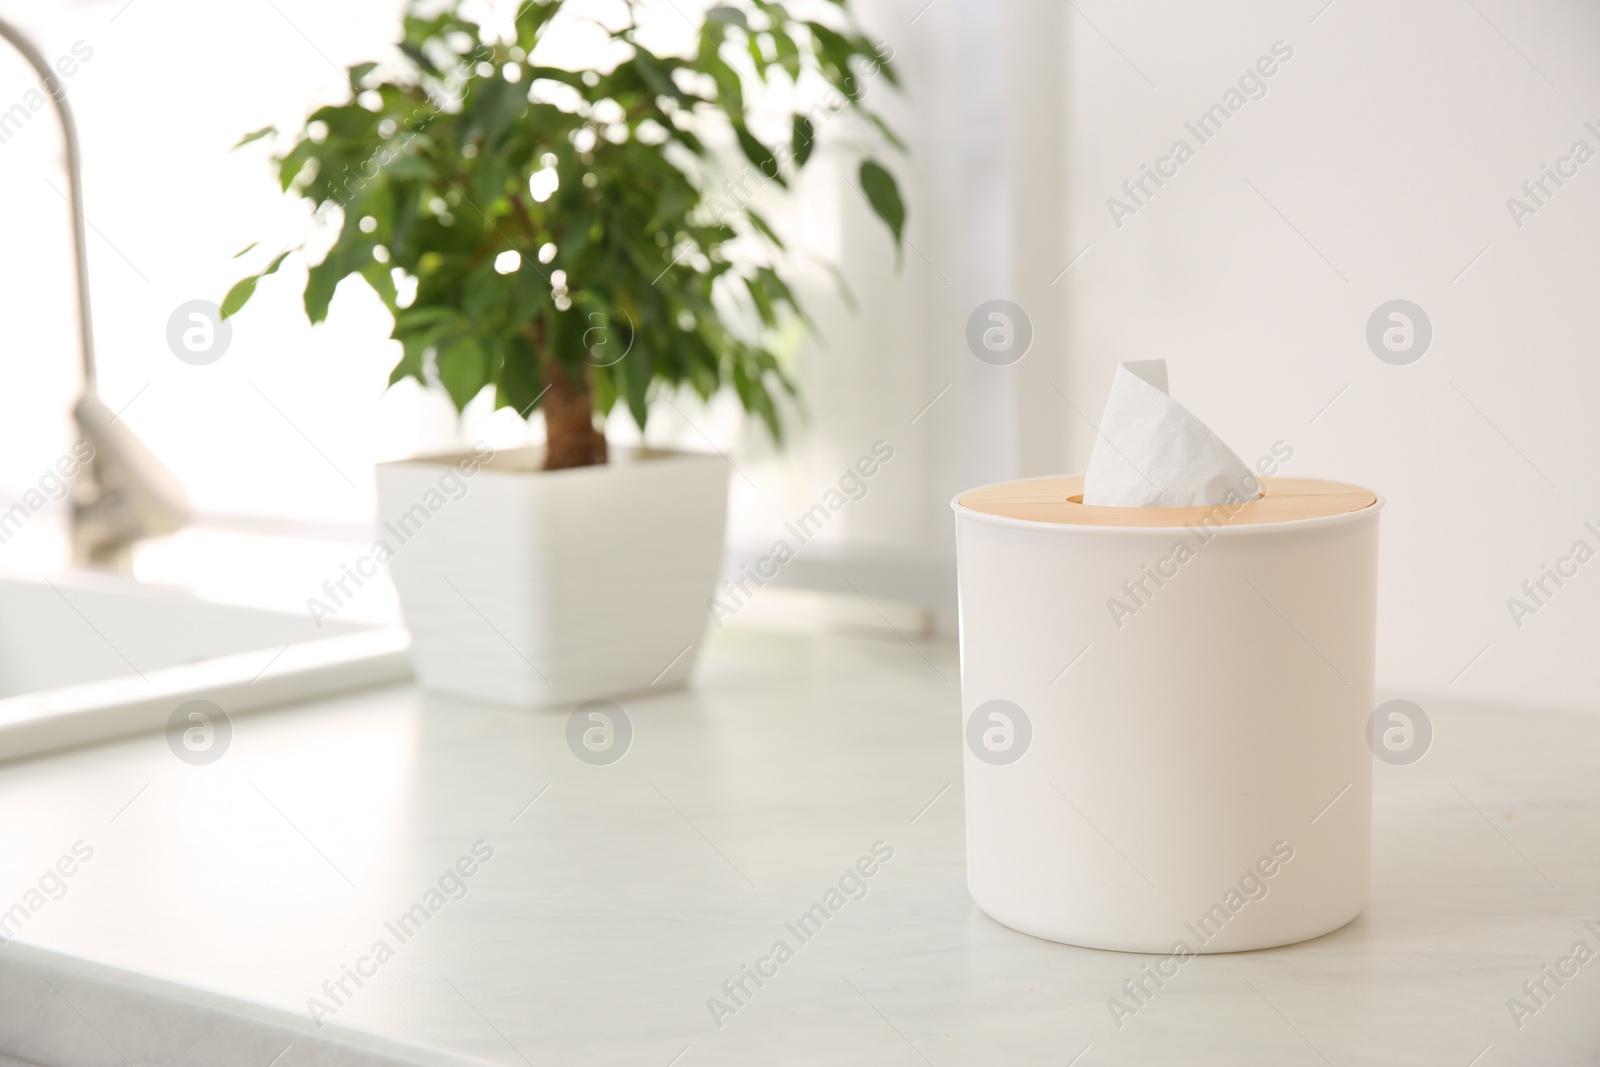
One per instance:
[(1165, 747)]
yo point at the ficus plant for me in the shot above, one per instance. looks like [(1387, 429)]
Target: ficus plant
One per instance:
[(571, 236)]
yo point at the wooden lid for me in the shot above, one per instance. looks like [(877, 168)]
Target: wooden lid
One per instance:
[(1060, 501)]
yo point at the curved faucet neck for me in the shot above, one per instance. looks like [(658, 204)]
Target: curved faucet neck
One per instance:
[(69, 132)]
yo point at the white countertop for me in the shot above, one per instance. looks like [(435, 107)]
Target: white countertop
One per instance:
[(219, 898)]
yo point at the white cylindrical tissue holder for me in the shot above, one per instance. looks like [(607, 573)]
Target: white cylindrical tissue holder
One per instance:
[(1164, 714)]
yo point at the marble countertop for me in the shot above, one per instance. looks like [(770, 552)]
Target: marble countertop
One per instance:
[(586, 914)]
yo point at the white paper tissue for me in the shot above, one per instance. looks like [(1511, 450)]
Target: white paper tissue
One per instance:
[(1152, 453)]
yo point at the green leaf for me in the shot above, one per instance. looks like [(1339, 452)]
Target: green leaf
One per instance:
[(487, 293), (491, 108), (415, 320), (877, 59), (779, 289), (531, 20), (347, 122), (730, 91), (836, 51), (758, 153), (463, 369), (758, 58), (244, 288), (654, 73), (689, 141), (348, 255), (888, 134), (788, 52), (411, 362), (321, 281), (382, 281), (241, 292), (489, 181), (731, 16), (637, 372), (407, 167), (804, 139), (763, 302), (417, 56), (765, 227), (827, 38), (265, 131), (532, 294), (519, 385), (884, 196), (294, 161), (567, 77)]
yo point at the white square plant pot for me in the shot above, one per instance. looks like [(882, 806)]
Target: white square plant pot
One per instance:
[(528, 587)]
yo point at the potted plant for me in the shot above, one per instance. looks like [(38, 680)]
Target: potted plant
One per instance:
[(571, 239)]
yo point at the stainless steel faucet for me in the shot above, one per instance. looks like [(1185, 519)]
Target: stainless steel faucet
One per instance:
[(123, 494)]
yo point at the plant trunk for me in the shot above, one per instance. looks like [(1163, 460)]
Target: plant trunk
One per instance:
[(571, 437)]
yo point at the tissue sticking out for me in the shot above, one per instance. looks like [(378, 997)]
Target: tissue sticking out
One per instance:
[(1152, 453)]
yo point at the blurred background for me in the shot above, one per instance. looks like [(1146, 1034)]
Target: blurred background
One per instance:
[(1377, 162)]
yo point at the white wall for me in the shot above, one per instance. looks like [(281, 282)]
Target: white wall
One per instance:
[(1391, 142), (1377, 166), (985, 115)]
